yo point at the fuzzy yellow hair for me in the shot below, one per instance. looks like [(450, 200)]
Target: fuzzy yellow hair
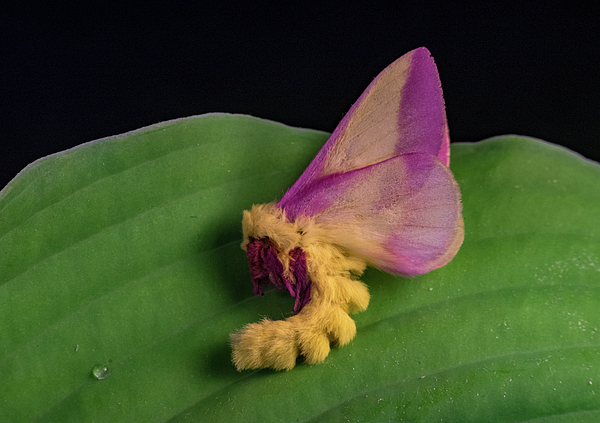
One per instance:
[(335, 293)]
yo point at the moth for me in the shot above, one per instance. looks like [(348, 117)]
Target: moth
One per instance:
[(379, 193)]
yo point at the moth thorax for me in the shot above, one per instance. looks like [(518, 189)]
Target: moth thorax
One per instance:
[(284, 271)]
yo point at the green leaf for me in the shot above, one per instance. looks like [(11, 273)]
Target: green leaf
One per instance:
[(124, 253)]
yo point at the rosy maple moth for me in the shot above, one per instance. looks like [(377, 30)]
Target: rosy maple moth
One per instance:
[(378, 193)]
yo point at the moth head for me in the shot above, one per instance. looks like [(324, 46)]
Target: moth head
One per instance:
[(269, 221)]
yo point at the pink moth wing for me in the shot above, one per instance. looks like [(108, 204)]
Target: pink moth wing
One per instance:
[(380, 184)]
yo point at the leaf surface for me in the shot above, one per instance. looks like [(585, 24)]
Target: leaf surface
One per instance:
[(124, 252)]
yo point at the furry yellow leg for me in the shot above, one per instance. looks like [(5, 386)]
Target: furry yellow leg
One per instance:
[(323, 320), (265, 344)]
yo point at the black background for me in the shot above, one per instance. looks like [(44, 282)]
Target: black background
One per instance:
[(75, 72)]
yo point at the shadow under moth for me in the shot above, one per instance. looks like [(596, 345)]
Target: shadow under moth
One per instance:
[(378, 193)]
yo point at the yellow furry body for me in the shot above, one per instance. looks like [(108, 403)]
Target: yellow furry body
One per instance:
[(335, 293)]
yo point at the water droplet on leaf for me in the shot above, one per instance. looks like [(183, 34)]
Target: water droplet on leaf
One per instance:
[(100, 372)]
